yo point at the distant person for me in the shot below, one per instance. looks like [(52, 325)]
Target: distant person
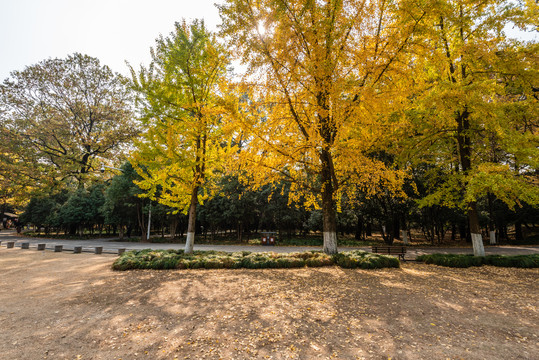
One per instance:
[(18, 226)]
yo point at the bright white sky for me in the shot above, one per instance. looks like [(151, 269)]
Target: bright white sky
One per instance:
[(111, 30)]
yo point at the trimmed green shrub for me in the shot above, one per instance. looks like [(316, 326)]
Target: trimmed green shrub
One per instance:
[(364, 260), (518, 261), (468, 260), (289, 262), (319, 259), (176, 259), (451, 260), (255, 261)]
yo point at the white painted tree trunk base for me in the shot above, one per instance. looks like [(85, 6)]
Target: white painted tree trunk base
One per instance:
[(189, 242), (330, 242), (404, 236), (492, 237), (477, 242)]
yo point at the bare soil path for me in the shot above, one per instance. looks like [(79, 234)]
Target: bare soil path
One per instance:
[(73, 306)]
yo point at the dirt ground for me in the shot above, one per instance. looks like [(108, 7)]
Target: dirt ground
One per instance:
[(73, 306)]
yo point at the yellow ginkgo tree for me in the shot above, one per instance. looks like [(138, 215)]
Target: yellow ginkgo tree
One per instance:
[(325, 85), (475, 112), (179, 96)]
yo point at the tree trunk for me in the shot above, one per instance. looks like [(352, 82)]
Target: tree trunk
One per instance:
[(173, 226), (465, 152), (359, 228), (328, 209), (191, 222), (2, 216), (492, 236), (396, 227), (240, 231), (404, 235), (368, 230), (141, 223), (502, 234), (518, 231), (404, 231), (387, 232), (475, 230), (462, 231), (491, 224)]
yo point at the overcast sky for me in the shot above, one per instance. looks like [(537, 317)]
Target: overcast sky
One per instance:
[(111, 30)]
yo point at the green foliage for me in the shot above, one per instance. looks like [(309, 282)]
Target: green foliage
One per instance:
[(82, 207), (318, 241), (39, 211), (364, 260), (501, 181), (148, 259), (316, 259), (468, 260), (81, 236), (307, 241), (272, 260), (179, 102), (61, 116), (452, 260), (184, 144), (120, 206), (177, 259)]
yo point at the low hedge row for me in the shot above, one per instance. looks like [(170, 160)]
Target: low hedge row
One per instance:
[(177, 259), (364, 260), (468, 260)]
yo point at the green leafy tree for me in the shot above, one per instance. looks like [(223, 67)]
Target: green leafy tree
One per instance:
[(59, 116), (468, 119), (233, 207), (42, 211), (123, 205), (182, 147), (82, 210)]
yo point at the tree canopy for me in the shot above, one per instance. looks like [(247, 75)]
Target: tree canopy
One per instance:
[(473, 100), (179, 94), (61, 117), (325, 89)]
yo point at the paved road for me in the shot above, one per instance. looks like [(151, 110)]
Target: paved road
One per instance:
[(112, 246)]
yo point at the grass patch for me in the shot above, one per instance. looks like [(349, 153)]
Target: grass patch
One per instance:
[(468, 260), (177, 259)]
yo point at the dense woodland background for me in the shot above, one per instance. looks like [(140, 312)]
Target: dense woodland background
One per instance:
[(352, 119)]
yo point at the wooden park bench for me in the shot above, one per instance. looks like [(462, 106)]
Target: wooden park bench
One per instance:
[(400, 251)]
